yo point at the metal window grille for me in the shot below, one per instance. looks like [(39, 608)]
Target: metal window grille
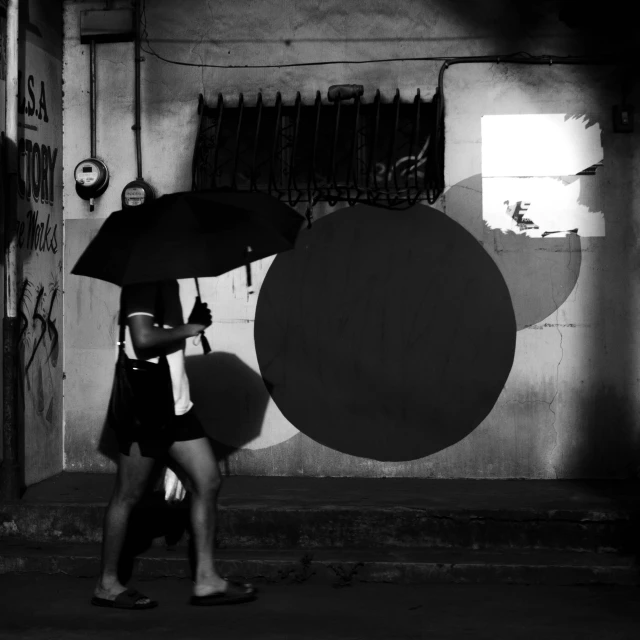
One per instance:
[(379, 152)]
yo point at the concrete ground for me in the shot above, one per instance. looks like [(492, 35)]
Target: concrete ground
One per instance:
[(51, 607), (308, 492)]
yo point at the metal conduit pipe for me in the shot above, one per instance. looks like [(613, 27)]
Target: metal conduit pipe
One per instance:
[(10, 485), (517, 58), (92, 96), (136, 126)]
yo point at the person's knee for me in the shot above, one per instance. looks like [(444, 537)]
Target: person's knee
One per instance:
[(208, 485), (128, 495)]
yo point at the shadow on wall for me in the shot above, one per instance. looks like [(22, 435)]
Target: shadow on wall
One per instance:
[(522, 23), (229, 398), (540, 272), (8, 148), (609, 443)]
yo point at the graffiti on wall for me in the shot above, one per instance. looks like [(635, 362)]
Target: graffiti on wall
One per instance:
[(407, 167), (39, 341), (36, 235)]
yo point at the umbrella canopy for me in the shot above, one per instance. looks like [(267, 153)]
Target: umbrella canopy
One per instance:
[(191, 234)]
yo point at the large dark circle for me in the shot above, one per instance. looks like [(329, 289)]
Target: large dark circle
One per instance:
[(385, 334)]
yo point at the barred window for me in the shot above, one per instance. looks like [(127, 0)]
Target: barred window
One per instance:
[(383, 152)]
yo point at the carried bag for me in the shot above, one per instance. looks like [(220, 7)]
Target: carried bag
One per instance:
[(141, 401)]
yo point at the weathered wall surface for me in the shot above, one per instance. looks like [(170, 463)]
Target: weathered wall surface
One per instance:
[(3, 53), (569, 406), (40, 236)]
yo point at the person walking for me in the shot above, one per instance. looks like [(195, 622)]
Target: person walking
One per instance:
[(156, 328)]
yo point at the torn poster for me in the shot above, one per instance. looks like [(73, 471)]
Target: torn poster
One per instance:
[(541, 175)]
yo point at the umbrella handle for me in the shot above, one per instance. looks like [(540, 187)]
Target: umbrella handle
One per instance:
[(202, 339), (206, 347), (247, 266)]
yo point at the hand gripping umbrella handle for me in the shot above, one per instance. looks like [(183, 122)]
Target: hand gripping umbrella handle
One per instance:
[(206, 347)]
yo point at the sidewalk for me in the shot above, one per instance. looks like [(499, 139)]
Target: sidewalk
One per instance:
[(407, 531), (305, 492), (44, 607)]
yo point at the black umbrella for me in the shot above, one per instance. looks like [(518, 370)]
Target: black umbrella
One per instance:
[(191, 234)]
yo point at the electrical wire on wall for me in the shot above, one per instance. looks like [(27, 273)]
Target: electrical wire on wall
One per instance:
[(520, 57)]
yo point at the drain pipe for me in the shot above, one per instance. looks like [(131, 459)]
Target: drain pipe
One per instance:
[(10, 485)]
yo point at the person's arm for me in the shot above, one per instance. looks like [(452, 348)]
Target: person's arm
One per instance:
[(145, 335), (139, 302)]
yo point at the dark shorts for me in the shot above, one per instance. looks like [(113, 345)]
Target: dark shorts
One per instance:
[(183, 428)]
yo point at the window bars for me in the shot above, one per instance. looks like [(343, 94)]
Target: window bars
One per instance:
[(379, 152)]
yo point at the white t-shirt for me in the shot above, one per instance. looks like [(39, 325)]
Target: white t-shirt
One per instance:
[(160, 300)]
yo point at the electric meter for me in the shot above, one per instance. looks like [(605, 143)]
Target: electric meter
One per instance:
[(136, 193), (92, 179)]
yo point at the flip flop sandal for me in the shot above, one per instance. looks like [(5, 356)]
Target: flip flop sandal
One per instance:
[(235, 593), (129, 599)]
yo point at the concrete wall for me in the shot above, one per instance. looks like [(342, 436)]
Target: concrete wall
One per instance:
[(569, 406), (3, 53), (40, 236)]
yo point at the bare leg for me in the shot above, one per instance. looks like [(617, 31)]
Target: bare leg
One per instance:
[(133, 473), (198, 461)]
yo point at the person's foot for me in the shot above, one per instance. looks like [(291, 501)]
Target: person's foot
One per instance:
[(231, 593), (112, 591), (210, 585)]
